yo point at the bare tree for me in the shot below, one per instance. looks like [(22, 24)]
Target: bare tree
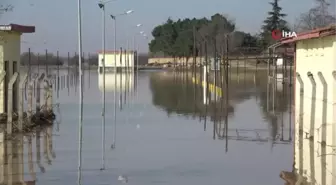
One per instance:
[(316, 17), (5, 7)]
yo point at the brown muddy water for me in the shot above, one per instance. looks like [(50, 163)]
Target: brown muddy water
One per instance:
[(166, 133)]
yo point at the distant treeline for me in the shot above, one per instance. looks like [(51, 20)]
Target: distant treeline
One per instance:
[(52, 59), (143, 59)]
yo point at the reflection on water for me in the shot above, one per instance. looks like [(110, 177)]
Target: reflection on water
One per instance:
[(119, 82), (189, 134), (180, 93), (18, 149)]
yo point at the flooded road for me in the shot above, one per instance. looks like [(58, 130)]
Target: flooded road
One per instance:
[(165, 133)]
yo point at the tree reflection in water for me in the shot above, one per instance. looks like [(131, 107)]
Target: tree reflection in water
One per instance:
[(177, 94)]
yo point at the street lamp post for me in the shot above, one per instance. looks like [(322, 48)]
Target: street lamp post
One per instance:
[(134, 46), (101, 5), (80, 124), (114, 17)]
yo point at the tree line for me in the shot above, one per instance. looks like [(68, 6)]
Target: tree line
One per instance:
[(30, 58), (218, 34)]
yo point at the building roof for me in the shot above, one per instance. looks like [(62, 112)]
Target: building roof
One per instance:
[(113, 52), (320, 32), (17, 28)]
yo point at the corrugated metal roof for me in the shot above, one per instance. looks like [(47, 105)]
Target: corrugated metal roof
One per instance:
[(320, 32)]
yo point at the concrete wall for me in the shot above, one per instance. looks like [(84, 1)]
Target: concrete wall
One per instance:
[(9, 51), (110, 59), (316, 55), (120, 82)]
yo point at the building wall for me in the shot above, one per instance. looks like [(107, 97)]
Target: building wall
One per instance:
[(316, 55), (9, 51), (110, 59)]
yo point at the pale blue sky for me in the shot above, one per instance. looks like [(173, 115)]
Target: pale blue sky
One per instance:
[(56, 21)]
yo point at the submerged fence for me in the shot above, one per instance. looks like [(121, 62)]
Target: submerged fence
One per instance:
[(14, 115), (315, 127)]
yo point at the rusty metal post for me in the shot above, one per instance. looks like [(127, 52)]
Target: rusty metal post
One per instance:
[(38, 92), (10, 103), (21, 101), (313, 105)]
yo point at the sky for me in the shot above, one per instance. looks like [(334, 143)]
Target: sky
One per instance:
[(57, 28)]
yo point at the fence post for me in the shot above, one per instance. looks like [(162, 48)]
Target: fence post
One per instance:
[(334, 74), (38, 92), (313, 104), (10, 103), (30, 100), (324, 125), (45, 96), (50, 98), (298, 77), (20, 111), (2, 77), (324, 108), (301, 107)]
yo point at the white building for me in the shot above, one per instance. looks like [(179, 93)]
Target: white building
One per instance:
[(122, 61), (315, 110), (10, 45)]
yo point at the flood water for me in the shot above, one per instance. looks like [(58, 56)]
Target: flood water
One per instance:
[(165, 132)]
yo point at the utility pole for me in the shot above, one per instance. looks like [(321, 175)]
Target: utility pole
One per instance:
[(80, 123), (227, 94)]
